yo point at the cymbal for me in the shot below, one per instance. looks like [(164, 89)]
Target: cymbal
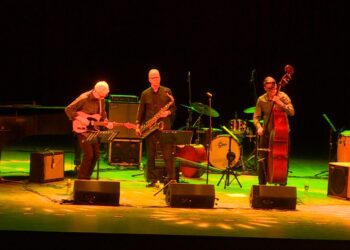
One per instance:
[(189, 107), (261, 121), (204, 109), (249, 110)]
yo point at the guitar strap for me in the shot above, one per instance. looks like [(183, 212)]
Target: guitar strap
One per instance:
[(100, 106)]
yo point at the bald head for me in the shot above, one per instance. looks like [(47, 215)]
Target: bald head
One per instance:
[(101, 89), (154, 79)]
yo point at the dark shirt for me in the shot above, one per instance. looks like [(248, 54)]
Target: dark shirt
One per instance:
[(263, 108), (151, 102), (88, 104)]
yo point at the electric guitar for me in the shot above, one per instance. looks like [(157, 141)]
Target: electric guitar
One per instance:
[(94, 123)]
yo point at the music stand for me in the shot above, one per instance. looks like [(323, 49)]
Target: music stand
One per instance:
[(230, 157), (174, 137), (99, 137)]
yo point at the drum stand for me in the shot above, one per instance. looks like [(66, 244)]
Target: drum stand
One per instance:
[(229, 169)]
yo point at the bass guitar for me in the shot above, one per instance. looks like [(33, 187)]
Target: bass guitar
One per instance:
[(94, 123)]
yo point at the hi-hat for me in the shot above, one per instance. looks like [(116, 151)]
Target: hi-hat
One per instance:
[(204, 109), (250, 110)]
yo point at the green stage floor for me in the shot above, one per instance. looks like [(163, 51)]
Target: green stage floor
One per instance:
[(29, 207)]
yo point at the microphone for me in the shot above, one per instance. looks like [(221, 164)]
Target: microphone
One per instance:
[(209, 94), (252, 76), (188, 76), (329, 122)]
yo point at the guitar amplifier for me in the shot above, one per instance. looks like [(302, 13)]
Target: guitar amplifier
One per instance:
[(124, 98), (46, 166)]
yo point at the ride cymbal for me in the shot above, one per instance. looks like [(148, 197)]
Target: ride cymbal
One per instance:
[(204, 109), (250, 110)]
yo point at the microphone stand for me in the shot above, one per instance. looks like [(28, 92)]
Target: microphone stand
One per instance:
[(189, 119), (210, 136), (252, 81)]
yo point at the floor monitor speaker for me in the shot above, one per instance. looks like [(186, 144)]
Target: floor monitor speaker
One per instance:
[(190, 195), (96, 192), (270, 197)]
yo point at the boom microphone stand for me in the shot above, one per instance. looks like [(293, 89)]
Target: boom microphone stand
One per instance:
[(330, 150), (189, 119)]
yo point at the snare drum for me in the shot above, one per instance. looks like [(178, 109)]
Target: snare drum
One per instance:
[(238, 126), (343, 149), (219, 148)]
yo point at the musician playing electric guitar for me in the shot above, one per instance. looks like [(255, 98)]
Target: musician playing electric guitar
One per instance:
[(88, 111), (271, 99)]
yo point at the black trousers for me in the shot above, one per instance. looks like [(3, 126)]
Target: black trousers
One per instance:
[(168, 156), (91, 154)]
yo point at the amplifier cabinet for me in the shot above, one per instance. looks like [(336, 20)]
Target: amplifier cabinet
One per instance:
[(123, 113), (125, 152), (339, 179), (46, 166)]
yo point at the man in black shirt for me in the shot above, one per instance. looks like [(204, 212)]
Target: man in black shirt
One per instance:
[(156, 104)]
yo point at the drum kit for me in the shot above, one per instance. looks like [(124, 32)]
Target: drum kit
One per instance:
[(222, 142)]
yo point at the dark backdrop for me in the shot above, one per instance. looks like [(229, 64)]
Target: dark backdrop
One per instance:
[(54, 50)]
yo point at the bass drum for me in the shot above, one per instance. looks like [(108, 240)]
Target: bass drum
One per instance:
[(219, 148), (194, 153), (343, 149)]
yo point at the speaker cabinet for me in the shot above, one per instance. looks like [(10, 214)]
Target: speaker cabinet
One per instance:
[(123, 112), (124, 152), (46, 166), (269, 197), (96, 192), (190, 195), (338, 179)]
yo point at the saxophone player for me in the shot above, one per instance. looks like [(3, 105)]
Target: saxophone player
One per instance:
[(156, 104)]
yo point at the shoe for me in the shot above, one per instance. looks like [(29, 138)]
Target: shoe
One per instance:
[(152, 184)]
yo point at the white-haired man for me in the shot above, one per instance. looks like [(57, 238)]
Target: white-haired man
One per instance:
[(87, 108)]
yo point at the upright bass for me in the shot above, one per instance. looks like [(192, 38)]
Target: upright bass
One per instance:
[(278, 157)]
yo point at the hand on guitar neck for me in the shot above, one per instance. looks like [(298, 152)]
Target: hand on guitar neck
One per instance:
[(84, 122)]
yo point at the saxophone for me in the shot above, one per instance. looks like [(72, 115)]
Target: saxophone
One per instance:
[(152, 124)]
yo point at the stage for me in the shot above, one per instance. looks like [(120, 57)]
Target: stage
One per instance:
[(34, 210)]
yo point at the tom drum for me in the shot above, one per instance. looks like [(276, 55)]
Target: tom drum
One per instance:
[(219, 149), (343, 149), (238, 126)]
